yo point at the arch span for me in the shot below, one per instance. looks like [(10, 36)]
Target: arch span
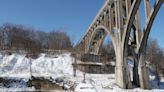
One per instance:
[(97, 38)]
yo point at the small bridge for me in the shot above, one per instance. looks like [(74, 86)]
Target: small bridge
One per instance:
[(120, 19)]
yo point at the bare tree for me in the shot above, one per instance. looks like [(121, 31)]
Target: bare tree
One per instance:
[(108, 51), (155, 56), (59, 40), (19, 37)]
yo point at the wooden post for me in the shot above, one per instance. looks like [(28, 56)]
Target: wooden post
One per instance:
[(75, 63)]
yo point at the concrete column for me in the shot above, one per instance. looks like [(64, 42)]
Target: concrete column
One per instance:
[(138, 29), (143, 73), (105, 19), (147, 8), (121, 70), (116, 14), (128, 5), (143, 70), (101, 21), (120, 18), (111, 20), (85, 45)]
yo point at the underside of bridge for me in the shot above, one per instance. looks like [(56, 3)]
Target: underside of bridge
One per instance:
[(120, 20)]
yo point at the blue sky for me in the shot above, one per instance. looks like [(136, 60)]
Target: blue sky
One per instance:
[(72, 16)]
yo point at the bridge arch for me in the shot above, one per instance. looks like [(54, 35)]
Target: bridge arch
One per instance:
[(141, 46), (97, 37)]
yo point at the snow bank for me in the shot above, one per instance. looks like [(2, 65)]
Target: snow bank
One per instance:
[(52, 67), (19, 66)]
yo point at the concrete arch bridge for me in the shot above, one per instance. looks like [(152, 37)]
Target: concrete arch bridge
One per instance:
[(120, 19)]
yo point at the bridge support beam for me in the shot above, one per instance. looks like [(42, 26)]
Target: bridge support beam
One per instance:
[(143, 73), (121, 71), (143, 70)]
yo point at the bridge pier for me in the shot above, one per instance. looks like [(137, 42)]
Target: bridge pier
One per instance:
[(143, 72), (122, 73)]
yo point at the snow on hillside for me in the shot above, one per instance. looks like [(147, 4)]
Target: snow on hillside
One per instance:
[(53, 67), (58, 66), (19, 66)]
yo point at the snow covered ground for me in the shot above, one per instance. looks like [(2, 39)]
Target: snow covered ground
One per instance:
[(58, 66)]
